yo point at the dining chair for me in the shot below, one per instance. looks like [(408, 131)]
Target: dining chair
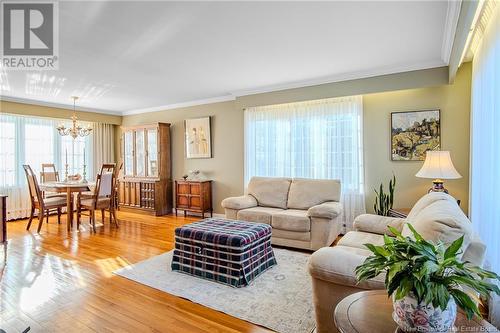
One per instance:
[(102, 197), (49, 174), (115, 196), (44, 205)]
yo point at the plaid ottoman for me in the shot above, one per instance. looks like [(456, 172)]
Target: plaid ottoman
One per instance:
[(225, 251)]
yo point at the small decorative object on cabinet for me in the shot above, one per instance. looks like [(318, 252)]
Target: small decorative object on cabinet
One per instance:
[(145, 183), (193, 196)]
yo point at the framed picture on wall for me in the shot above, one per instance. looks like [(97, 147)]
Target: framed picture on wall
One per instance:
[(413, 133), (198, 139)]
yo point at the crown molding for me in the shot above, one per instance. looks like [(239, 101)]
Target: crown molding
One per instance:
[(343, 77), (468, 14), (211, 100), (57, 105), (450, 27), (232, 96)]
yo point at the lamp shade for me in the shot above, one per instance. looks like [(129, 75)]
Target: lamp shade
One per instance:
[(438, 165)]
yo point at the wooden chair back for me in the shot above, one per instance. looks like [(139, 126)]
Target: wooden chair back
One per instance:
[(34, 189), (105, 182), (49, 173)]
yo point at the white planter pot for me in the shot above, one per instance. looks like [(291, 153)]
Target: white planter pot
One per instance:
[(414, 317)]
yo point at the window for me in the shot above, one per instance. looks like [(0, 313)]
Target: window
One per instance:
[(72, 151), (33, 141), (485, 140), (314, 139), (7, 153), (39, 143)]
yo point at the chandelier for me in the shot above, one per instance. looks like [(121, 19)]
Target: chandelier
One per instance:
[(75, 130)]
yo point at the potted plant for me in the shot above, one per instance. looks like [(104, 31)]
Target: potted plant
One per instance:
[(426, 281), (384, 201)]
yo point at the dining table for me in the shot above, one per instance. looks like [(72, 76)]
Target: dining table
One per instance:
[(68, 187)]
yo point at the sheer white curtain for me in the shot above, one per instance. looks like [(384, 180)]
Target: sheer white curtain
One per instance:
[(103, 147), (33, 141), (313, 139), (485, 141)]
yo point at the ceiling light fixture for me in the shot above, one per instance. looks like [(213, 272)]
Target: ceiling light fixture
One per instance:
[(76, 130)]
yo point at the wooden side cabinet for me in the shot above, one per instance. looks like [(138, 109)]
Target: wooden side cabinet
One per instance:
[(193, 196)]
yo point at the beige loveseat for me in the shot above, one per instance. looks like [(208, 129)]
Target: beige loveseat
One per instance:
[(302, 212), (436, 216)]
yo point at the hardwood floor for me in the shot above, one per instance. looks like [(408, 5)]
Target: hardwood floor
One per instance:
[(53, 282)]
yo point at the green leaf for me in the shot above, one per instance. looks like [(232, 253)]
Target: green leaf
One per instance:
[(417, 236), (465, 303), (452, 250), (394, 231)]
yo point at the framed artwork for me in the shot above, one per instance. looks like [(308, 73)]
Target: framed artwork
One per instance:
[(413, 133), (198, 138)]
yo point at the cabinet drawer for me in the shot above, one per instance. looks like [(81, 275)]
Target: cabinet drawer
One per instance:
[(182, 200), (194, 202), (195, 189), (183, 188)]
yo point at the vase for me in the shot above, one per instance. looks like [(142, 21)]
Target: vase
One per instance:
[(412, 316)]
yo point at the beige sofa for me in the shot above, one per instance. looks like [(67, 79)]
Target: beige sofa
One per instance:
[(302, 212), (436, 216)]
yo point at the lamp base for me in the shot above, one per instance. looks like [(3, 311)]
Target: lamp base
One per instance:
[(437, 186)]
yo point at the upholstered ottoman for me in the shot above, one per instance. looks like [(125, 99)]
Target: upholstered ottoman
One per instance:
[(222, 250)]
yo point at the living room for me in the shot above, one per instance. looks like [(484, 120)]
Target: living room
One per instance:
[(295, 132)]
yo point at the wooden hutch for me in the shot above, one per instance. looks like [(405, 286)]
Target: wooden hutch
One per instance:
[(146, 180)]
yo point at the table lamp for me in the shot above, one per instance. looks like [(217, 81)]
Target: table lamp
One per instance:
[(438, 166)]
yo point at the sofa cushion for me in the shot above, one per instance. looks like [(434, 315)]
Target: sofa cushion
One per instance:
[(437, 216), (292, 220), (337, 264), (257, 214), (357, 239), (293, 235), (305, 193), (270, 192)]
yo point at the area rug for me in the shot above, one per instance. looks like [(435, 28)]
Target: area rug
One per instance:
[(279, 299)]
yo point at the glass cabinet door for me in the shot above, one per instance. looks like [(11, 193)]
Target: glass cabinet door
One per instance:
[(139, 153), (152, 153), (128, 153)]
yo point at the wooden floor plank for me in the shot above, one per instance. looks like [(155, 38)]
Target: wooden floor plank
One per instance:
[(55, 282)]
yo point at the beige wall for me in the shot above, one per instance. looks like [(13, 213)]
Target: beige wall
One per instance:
[(51, 112), (454, 102), (226, 166)]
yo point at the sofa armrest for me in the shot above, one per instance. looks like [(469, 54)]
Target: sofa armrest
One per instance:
[(327, 210), (337, 265), (242, 202), (378, 224)]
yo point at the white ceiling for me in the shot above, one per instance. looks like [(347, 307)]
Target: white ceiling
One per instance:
[(128, 57)]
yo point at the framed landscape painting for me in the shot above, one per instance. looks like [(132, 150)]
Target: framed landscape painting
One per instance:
[(413, 133), (198, 138)]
